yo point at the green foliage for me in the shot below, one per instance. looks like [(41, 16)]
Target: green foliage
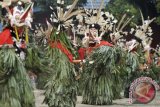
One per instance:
[(33, 61), (61, 88), (39, 64), (102, 78), (15, 90), (132, 62), (42, 78), (158, 5), (36, 60), (158, 10), (45, 3), (119, 7), (154, 73), (62, 38), (131, 69)]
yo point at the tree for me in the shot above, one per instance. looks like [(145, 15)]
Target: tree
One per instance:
[(149, 7), (158, 10), (116, 8), (46, 3)]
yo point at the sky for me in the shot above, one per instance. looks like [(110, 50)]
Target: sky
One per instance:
[(95, 4)]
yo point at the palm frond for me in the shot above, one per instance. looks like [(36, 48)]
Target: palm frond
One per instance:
[(16, 90), (61, 88), (101, 78)]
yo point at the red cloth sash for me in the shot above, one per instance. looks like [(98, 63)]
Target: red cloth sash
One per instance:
[(82, 51), (63, 49), (5, 37)]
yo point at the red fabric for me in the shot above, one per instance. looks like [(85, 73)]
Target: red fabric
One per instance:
[(81, 53), (104, 43), (63, 49), (5, 37)]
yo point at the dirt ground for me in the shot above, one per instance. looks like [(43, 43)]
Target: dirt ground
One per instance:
[(116, 103)]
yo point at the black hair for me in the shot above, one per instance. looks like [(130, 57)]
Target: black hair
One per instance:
[(96, 26), (23, 4)]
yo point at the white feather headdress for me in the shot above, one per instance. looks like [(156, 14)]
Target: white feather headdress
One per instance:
[(100, 17), (63, 17), (144, 32)]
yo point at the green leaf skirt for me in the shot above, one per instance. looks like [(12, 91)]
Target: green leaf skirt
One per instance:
[(15, 86)]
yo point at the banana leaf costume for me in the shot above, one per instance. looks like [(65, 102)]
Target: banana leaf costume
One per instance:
[(101, 79), (15, 85), (61, 88)]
